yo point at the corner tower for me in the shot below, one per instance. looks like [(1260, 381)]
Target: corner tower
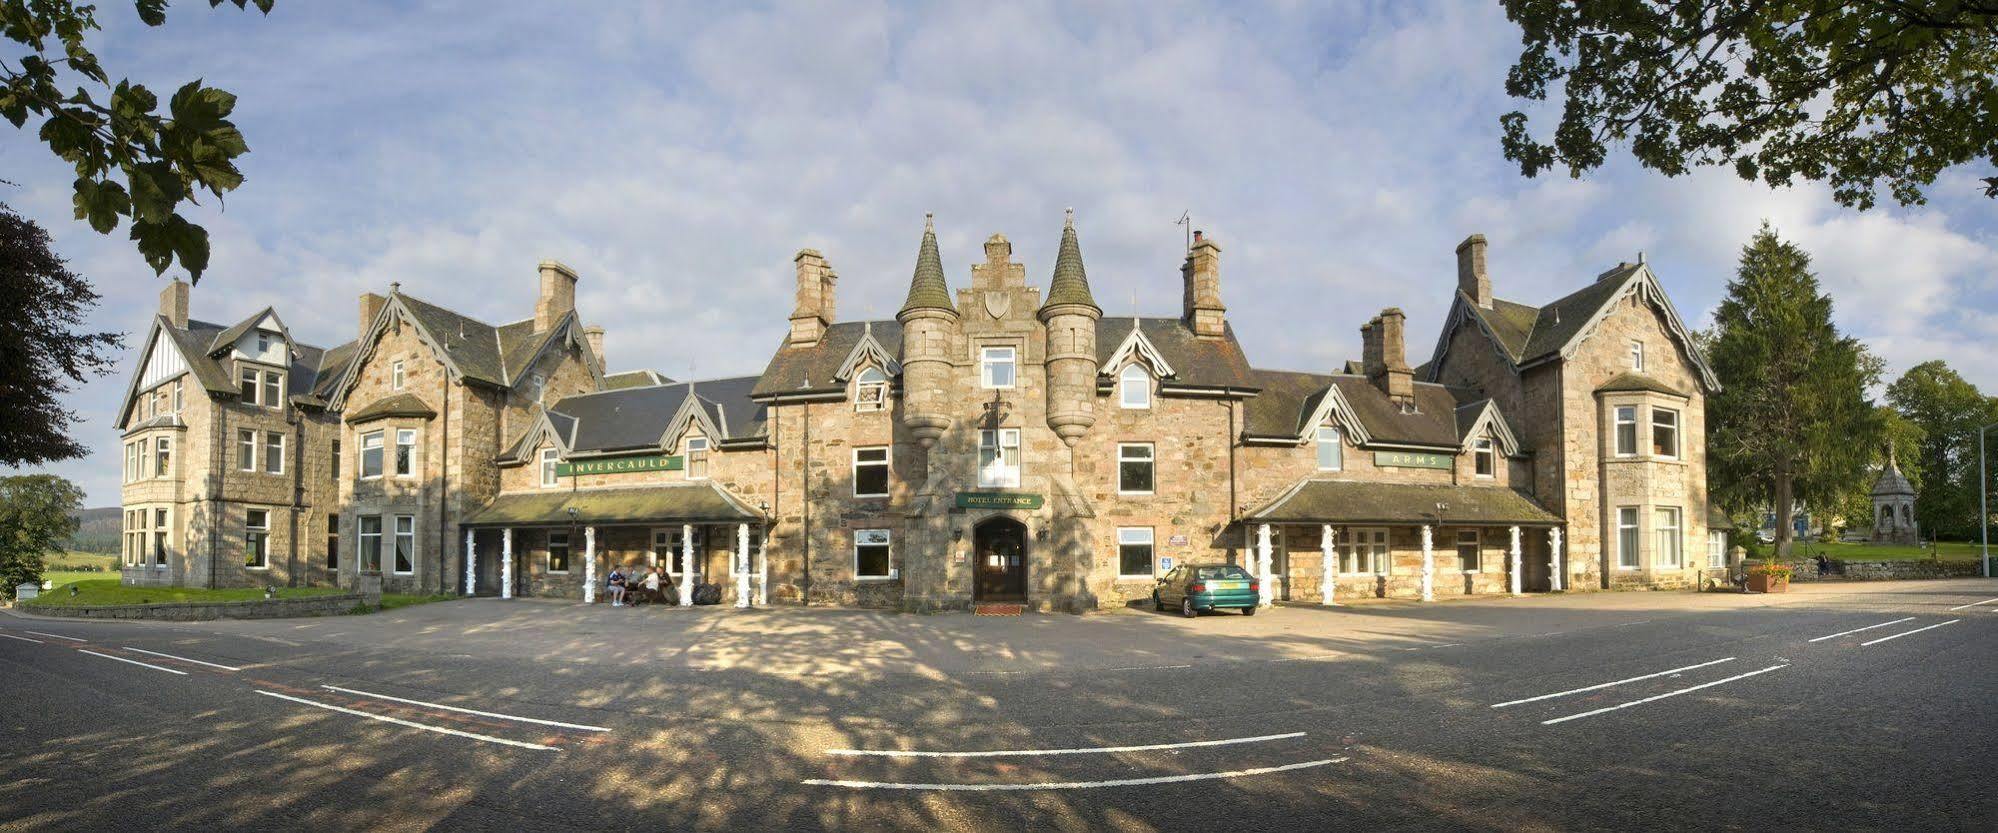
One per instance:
[(927, 318), (1070, 316)]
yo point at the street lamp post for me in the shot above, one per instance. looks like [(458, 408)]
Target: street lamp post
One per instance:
[(1984, 499)]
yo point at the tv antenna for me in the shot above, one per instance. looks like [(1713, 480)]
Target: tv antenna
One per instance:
[(1186, 219)]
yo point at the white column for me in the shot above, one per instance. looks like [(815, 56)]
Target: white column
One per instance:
[(742, 565), (1267, 583), (1515, 561), (471, 565), (1555, 580), (1428, 564), (763, 568), (506, 563), (589, 565), (686, 565), (1328, 564)]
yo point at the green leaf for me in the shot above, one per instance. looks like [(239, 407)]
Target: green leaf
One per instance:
[(101, 203), (156, 190), (152, 12)]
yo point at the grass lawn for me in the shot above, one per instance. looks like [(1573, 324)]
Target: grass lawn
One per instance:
[(107, 591), (1948, 550)]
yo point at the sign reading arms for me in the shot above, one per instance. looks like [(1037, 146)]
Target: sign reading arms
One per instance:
[(621, 465), (1413, 460)]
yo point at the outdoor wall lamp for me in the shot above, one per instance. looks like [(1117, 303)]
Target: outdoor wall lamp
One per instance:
[(957, 535)]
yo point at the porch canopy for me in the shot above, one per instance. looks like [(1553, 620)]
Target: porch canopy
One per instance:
[(1356, 502), (657, 504)]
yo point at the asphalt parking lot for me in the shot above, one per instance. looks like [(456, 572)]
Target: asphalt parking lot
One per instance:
[(1851, 706)]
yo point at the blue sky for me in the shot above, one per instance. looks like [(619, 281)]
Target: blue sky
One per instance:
[(678, 156)]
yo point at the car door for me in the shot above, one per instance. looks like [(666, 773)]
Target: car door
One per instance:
[(1173, 586)]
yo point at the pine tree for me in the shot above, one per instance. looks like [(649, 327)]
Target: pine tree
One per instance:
[(1792, 421)]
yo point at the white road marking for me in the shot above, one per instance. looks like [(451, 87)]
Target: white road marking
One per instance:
[(1074, 785), (55, 636), (1905, 633), (468, 711), (1662, 696), (183, 659), (999, 753), (23, 638), (1607, 685), (1867, 628), (411, 724), (1974, 604), (136, 662)]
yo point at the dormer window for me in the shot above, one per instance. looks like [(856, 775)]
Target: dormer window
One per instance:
[(1134, 387), (548, 457), (1637, 356), (260, 387), (1331, 452), (870, 390), (1484, 458), (697, 458), (395, 375), (995, 367)]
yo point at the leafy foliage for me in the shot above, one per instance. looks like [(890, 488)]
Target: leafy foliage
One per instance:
[(36, 515), (43, 351), (132, 160), (1792, 421), (1857, 95), (1947, 410)]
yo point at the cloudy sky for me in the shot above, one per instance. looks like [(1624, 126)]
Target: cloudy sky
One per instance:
[(678, 157)]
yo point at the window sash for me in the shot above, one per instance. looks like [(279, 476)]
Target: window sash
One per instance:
[(1664, 432), (332, 542), (246, 450), (1470, 550), (1626, 538), (273, 452), (1626, 431), (1134, 387), (999, 457), (405, 544), (395, 375), (256, 539), (1637, 355), (371, 455), (1364, 552), (371, 543), (558, 552), (247, 386), (870, 472), (162, 457), (1331, 449), (996, 367), (1669, 543), (548, 461), (1135, 468), (272, 393), (1484, 458), (871, 553), (697, 458), (405, 452), (1137, 552)]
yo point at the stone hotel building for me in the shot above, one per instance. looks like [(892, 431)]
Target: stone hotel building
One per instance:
[(1003, 441)]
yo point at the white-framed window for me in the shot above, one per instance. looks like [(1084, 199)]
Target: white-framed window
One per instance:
[(246, 449), (162, 457), (247, 385), (1626, 431), (1669, 543), (870, 472), (1665, 433), (665, 550), (1364, 552), (273, 387), (1331, 448), (996, 366), (273, 452), (1484, 459), (405, 452), (1134, 387), (1135, 466), (1469, 545), (395, 375), (334, 462), (160, 528), (1626, 538), (257, 539), (405, 544), (870, 554), (1136, 555), (370, 533), (870, 390), (558, 552), (1637, 355), (697, 458), (263, 342), (548, 462), (1716, 549), (131, 461), (999, 457), (371, 466), (178, 400)]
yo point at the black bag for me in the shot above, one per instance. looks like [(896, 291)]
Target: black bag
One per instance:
[(707, 594)]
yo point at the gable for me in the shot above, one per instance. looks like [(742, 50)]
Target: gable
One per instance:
[(163, 361)]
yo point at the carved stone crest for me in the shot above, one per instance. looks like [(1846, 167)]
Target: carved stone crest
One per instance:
[(997, 303)]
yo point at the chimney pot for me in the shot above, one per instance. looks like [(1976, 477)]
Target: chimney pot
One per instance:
[(173, 303), (1472, 277), (557, 297)]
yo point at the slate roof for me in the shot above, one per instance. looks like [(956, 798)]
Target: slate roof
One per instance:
[(399, 405), (312, 372), (634, 379), (1717, 519), (1892, 482), (1530, 333), (658, 503), (472, 344), (1070, 284), (636, 418), (927, 287), (1360, 502), (1199, 362), (1289, 398), (1631, 380), (809, 370)]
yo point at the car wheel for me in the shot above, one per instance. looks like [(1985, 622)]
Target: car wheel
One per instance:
[(1158, 604), (1186, 608), (1249, 611)]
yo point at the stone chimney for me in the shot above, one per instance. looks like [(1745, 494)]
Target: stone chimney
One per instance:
[(815, 298), (593, 335), (173, 303), (371, 306), (1204, 312), (557, 297), (1384, 355), (1472, 279)]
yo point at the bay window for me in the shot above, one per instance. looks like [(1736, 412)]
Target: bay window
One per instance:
[(371, 543), (1626, 431), (1626, 538), (371, 467), (405, 452), (1665, 532), (405, 544), (1664, 433)]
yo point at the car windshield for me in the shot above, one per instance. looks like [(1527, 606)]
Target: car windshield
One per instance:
[(1229, 572)]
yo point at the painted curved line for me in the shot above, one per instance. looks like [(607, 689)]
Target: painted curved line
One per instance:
[(1074, 785), (1014, 753)]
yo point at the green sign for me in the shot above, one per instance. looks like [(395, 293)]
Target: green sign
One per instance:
[(999, 500), (1414, 460), (621, 465)]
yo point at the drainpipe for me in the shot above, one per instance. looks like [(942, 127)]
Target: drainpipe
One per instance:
[(443, 479), (806, 497), (297, 422), (219, 458)]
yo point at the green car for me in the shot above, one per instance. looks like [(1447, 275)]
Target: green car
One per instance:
[(1194, 588)]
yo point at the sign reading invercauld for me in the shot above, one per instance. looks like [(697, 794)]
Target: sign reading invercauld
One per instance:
[(622, 465)]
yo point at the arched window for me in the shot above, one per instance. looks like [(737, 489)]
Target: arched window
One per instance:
[(1907, 514), (1134, 387), (1886, 515), (870, 390)]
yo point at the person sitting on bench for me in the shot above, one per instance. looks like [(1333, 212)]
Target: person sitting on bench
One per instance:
[(651, 585), (616, 587)]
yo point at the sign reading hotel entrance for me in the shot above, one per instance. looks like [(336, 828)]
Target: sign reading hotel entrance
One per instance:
[(1413, 460), (999, 500), (621, 465)]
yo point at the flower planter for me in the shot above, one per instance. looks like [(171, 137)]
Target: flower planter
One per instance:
[(1763, 583)]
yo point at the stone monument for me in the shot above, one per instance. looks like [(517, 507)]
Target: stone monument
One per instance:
[(1894, 506)]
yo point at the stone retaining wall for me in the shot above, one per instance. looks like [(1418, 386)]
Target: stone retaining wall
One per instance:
[(1887, 570), (331, 605)]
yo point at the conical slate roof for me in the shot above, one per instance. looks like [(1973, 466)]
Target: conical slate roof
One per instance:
[(927, 289), (1070, 284), (1891, 481)]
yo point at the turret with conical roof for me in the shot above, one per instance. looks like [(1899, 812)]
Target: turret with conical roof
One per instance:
[(928, 318), (1070, 316)]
